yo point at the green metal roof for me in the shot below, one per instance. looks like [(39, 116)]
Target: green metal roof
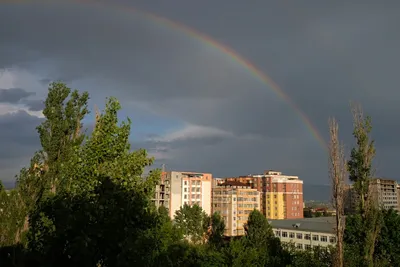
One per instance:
[(320, 224)]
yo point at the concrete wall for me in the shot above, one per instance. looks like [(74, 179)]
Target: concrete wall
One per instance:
[(293, 236)]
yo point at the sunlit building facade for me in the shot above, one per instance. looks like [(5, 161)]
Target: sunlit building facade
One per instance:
[(234, 201)]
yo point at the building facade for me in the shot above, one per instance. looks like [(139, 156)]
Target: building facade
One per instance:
[(179, 188), (234, 201), (281, 196), (306, 233), (384, 191)]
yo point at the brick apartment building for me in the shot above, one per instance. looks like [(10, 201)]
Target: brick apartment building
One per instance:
[(281, 196)]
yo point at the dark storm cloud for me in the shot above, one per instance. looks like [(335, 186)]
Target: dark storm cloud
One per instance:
[(34, 105), (321, 54), (17, 128), (13, 95), (18, 142)]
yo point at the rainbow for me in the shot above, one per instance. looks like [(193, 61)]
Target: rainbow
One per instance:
[(236, 57)]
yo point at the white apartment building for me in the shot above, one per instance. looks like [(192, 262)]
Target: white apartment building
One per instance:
[(306, 233), (179, 188)]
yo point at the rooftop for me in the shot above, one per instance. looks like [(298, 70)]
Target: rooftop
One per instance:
[(320, 224), (234, 183)]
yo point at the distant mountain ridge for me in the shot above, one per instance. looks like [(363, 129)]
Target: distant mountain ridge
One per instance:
[(8, 184), (317, 192)]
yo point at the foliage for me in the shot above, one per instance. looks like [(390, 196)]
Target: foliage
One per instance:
[(258, 230), (193, 222), (216, 235), (369, 217), (316, 257), (360, 163), (61, 131)]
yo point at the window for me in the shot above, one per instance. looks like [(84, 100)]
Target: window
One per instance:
[(324, 238), (332, 239), (284, 234), (299, 246), (277, 233), (308, 247), (185, 183), (185, 189), (299, 236), (185, 196), (315, 237), (291, 235)]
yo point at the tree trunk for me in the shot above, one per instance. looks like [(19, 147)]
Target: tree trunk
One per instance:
[(337, 173)]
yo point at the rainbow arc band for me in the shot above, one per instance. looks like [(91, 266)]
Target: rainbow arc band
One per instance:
[(207, 40)]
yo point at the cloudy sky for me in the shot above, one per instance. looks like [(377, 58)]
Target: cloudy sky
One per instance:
[(192, 105)]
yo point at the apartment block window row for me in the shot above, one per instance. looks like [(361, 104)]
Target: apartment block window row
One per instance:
[(221, 205), (224, 193), (247, 193), (246, 199), (247, 205), (221, 199), (247, 212), (293, 235), (192, 203)]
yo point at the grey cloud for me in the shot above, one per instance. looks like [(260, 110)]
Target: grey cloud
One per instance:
[(18, 142), (34, 104), (13, 95), (321, 54)]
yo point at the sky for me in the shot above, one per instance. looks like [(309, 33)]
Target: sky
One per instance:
[(192, 105)]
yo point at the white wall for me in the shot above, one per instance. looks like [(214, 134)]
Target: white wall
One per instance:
[(206, 196)]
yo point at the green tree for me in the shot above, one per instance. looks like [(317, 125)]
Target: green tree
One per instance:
[(360, 163), (315, 257), (258, 230), (216, 235), (193, 222), (239, 254), (259, 235), (307, 213), (369, 217), (105, 215), (61, 131)]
